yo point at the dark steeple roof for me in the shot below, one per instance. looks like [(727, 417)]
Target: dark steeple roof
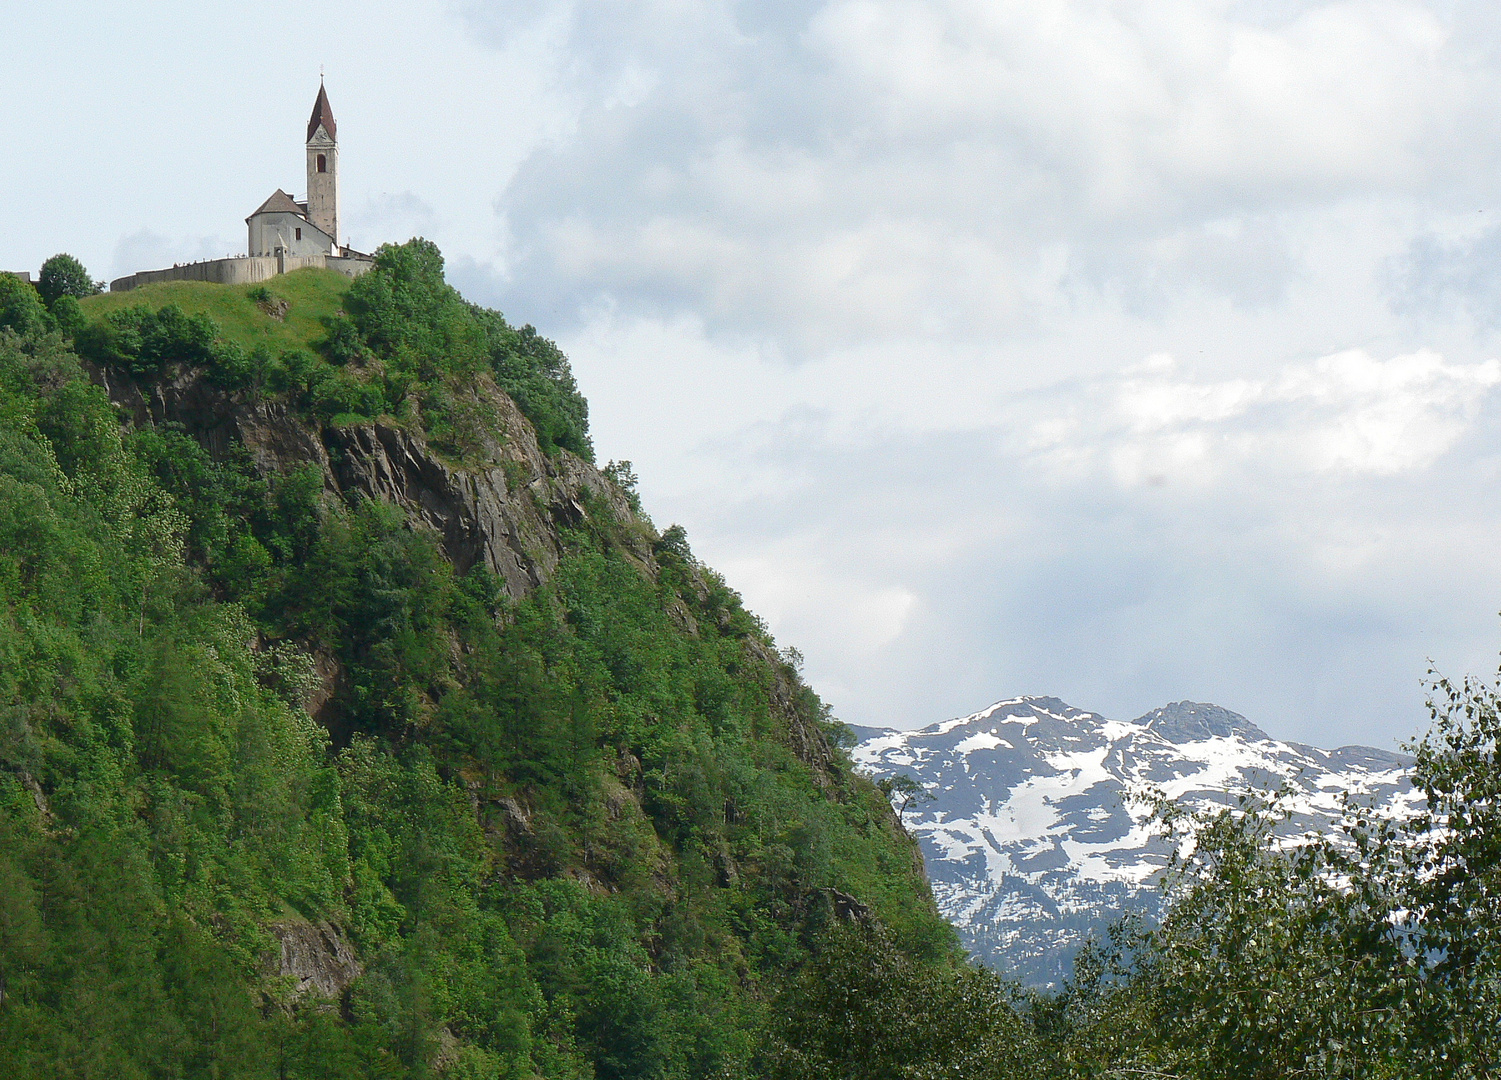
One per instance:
[(323, 114)]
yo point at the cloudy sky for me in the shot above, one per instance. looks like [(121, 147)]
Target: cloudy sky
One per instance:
[(1121, 351)]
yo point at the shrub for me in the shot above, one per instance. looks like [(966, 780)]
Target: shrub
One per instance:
[(21, 308), (63, 275), (68, 315), (143, 342), (405, 313)]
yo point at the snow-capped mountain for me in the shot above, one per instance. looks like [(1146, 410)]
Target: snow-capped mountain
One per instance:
[(1031, 841)]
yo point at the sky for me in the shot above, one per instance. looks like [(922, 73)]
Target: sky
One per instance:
[(1126, 352)]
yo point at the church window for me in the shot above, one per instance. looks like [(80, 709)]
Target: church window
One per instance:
[(299, 234), (322, 163)]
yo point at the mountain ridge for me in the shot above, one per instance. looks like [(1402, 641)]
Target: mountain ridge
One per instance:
[(1032, 839)]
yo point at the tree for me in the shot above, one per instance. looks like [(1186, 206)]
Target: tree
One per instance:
[(20, 307), (409, 315), (63, 275), (863, 1010), (906, 789), (1455, 896), (1281, 956), (68, 316)]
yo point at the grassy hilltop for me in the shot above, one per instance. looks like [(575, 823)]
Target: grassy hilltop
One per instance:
[(239, 311)]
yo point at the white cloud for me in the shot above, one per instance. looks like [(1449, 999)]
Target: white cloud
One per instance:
[(789, 586), (1159, 97), (864, 288), (1295, 544), (1387, 417), (865, 168), (1348, 411)]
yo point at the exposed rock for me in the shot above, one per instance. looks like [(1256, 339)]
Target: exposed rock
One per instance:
[(317, 956), (619, 802), (505, 514), (516, 818), (847, 908), (805, 736), (38, 796), (328, 672), (1191, 721), (446, 1052), (628, 768)]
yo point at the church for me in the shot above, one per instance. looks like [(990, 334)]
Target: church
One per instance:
[(283, 234)]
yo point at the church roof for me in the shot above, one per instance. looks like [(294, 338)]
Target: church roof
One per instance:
[(279, 203), (323, 114)]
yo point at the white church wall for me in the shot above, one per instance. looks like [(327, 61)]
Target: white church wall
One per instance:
[(285, 230)]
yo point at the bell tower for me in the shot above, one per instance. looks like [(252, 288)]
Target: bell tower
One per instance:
[(323, 168)]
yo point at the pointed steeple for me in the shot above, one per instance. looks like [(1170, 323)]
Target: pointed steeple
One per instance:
[(323, 166), (323, 114)]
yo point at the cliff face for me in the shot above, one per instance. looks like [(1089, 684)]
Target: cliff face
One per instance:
[(505, 514), (509, 514)]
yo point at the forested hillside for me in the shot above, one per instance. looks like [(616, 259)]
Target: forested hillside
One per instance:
[(354, 724)]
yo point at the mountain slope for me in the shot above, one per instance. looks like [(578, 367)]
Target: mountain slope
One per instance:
[(353, 725), (1032, 839)]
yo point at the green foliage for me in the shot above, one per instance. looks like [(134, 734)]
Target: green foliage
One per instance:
[(406, 314), (241, 312), (21, 308), (1454, 897), (378, 594), (623, 476), (339, 351), (535, 372), (1369, 954), (462, 425), (865, 1010), (68, 315), (409, 315), (142, 342), (905, 789), (150, 788), (566, 836), (63, 275), (600, 831), (1276, 959)]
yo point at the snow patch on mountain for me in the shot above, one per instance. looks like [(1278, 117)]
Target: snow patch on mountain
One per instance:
[(1033, 840)]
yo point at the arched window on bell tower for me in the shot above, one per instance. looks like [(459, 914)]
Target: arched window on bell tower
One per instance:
[(323, 163)]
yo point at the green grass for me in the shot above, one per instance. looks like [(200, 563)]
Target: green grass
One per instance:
[(312, 294)]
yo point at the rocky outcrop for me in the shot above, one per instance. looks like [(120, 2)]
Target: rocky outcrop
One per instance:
[(504, 513), (805, 736), (316, 957)]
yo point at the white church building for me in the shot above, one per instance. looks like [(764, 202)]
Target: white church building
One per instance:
[(283, 234)]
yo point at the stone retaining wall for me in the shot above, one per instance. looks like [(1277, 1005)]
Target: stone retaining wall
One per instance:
[(245, 270)]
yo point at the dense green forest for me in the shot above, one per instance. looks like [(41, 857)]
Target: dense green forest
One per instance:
[(296, 783)]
